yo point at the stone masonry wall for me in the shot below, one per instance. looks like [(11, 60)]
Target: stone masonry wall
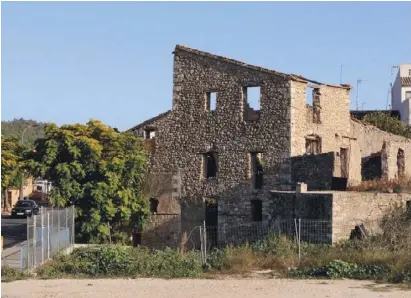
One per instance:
[(332, 126), (190, 130), (314, 170), (327, 217), (389, 158), (371, 141), (353, 208)]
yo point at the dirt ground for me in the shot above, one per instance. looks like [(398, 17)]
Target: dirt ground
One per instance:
[(182, 288)]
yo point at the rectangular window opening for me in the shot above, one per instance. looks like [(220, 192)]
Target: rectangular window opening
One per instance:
[(257, 210), (210, 165), (252, 103), (309, 95), (211, 101), (313, 145), (149, 133), (153, 205), (257, 170), (253, 97)]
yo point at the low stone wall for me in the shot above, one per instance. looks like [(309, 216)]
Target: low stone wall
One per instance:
[(315, 170), (328, 217), (367, 208), (164, 230)]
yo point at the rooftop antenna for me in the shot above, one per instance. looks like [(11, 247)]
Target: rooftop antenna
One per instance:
[(341, 69), (392, 68), (358, 82)]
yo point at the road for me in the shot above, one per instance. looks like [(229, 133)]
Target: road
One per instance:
[(13, 230)]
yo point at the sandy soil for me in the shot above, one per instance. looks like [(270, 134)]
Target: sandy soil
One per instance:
[(182, 288)]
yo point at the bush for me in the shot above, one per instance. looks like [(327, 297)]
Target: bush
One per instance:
[(389, 124), (123, 261), (11, 274), (341, 269)]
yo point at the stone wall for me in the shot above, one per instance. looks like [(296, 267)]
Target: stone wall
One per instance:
[(328, 217), (191, 129), (277, 129), (328, 119), (316, 171), (370, 138), (391, 162), (164, 230), (353, 208)]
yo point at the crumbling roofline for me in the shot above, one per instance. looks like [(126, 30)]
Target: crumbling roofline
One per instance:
[(253, 67), (162, 115)]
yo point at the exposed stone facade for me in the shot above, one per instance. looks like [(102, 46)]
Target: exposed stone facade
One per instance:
[(216, 150)]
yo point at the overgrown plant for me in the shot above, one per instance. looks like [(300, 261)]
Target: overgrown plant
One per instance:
[(389, 124)]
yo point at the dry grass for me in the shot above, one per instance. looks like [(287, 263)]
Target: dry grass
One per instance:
[(397, 185)]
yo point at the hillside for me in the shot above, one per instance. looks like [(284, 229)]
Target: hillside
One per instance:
[(17, 126)]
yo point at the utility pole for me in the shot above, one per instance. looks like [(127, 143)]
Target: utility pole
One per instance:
[(358, 83)]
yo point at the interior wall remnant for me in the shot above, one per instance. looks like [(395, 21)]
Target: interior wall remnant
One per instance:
[(316, 106), (401, 163)]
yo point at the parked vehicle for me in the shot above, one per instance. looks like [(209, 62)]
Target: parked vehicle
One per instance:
[(25, 208)]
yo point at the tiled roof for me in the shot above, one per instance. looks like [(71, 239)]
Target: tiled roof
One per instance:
[(406, 81)]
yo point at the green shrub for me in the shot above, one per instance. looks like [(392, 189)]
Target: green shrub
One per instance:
[(123, 262), (11, 274), (341, 269)]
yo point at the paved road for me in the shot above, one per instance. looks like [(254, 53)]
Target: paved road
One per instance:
[(13, 230)]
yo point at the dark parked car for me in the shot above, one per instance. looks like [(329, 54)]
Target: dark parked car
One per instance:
[(25, 208)]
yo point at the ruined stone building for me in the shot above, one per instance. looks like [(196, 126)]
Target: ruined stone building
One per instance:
[(236, 156)]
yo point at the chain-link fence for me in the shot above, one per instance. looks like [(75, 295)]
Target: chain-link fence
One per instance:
[(320, 232), (47, 233)]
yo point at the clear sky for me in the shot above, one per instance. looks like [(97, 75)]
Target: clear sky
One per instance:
[(73, 61)]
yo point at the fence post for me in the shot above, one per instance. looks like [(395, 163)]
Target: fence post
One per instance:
[(48, 235), (66, 226), (34, 240), (201, 245), (205, 243), (73, 227), (28, 243), (58, 229), (42, 237), (299, 241)]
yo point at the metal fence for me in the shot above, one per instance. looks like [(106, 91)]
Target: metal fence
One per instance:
[(47, 233), (300, 231)]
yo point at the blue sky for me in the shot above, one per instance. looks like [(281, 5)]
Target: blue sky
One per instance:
[(73, 61)]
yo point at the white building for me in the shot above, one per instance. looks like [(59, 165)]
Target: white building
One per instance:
[(401, 93)]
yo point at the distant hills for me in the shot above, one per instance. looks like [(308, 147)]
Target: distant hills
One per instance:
[(17, 126)]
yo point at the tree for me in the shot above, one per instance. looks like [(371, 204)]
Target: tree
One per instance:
[(100, 171), (389, 124), (17, 126), (11, 165)]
